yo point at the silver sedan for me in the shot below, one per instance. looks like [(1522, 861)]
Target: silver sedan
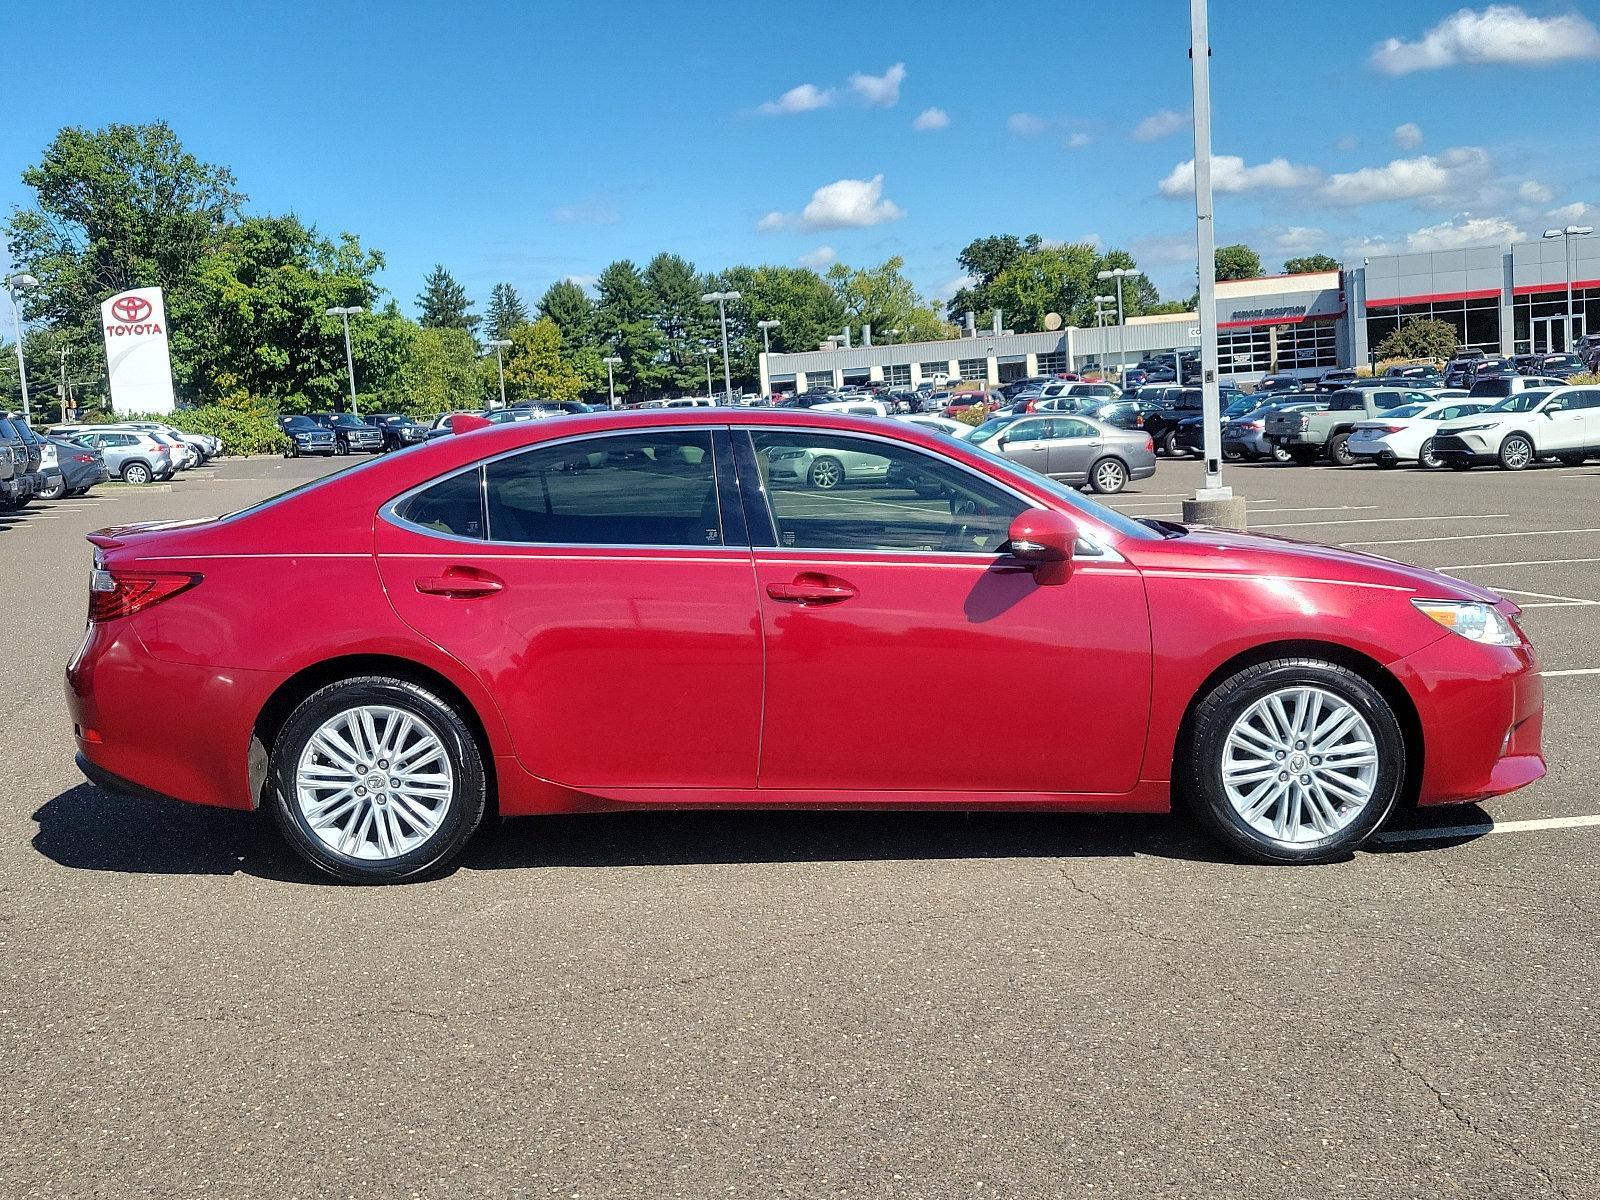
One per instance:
[(1075, 450)]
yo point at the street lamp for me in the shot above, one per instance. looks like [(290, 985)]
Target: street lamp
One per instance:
[(13, 282), (611, 361), (345, 314), (499, 345), (722, 299), (1119, 274), (1566, 235), (1099, 323), (710, 354), (765, 326)]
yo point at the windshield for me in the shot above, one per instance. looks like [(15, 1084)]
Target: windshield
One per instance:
[(1405, 410), (987, 430), (1072, 498), (346, 421), (300, 423), (1520, 403)]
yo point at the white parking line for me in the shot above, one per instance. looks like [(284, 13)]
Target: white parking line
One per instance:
[(1555, 601), (1384, 520), (1468, 537), (1573, 671), (1447, 832), (1525, 562)]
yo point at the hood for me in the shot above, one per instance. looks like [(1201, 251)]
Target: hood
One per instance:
[(1268, 555)]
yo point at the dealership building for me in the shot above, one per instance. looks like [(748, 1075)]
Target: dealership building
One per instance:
[(1508, 299)]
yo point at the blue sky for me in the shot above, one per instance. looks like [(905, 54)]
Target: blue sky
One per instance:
[(532, 142)]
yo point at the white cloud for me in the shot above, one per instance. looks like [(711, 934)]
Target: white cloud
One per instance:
[(1460, 231), (842, 204), (818, 258), (951, 286), (1426, 177), (930, 119), (882, 91), (805, 98), (1230, 174), (586, 282), (1408, 136), (1159, 125), (1297, 239), (1577, 211), (1535, 192), (1026, 124), (1347, 143), (1501, 33), (1078, 141)]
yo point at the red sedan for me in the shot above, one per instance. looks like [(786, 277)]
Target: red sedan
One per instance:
[(659, 609)]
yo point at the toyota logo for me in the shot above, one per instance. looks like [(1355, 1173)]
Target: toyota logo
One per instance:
[(130, 308)]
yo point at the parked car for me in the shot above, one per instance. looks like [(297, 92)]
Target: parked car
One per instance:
[(82, 466), (1405, 434), (959, 402), (1498, 387), (374, 705), (55, 483), (1561, 423), (1560, 366), (857, 407), (823, 469), (202, 447), (1124, 414), (1458, 371), (1246, 435), (1413, 374), (16, 485), (306, 436), (1335, 379), (132, 456), (350, 433), (1134, 378), (1310, 434), (1075, 450), (34, 446), (944, 425), (1191, 430), (1162, 423), (398, 430)]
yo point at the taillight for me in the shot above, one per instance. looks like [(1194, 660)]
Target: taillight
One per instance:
[(1390, 428), (128, 592), (1150, 444), (83, 458)]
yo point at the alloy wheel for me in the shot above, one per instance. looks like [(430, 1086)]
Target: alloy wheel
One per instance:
[(1516, 453), (1426, 457), (826, 474), (374, 782), (1109, 477), (1300, 764)]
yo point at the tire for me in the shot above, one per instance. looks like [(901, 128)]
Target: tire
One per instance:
[(1426, 458), (1108, 476), (1516, 453), (341, 448), (1344, 804), (1339, 450), (387, 834), (826, 474), (1169, 443), (293, 451), (136, 473), (1280, 454), (54, 492), (1234, 455)]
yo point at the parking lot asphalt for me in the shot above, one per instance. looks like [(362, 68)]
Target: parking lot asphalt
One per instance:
[(816, 1004)]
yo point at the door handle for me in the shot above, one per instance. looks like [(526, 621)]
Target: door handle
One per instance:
[(811, 589), (460, 584)]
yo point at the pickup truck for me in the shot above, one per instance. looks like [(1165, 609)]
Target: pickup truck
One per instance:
[(1174, 408), (1310, 434)]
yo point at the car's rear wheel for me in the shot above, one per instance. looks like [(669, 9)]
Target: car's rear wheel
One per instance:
[(376, 780), (136, 473), (1426, 458), (1280, 454), (1294, 760), (1516, 452), (1339, 450), (826, 474), (1230, 454), (1108, 476)]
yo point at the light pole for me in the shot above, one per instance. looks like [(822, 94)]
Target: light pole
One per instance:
[(345, 314), (500, 345), (611, 361), (1119, 274), (1213, 504), (765, 327), (1566, 235), (1100, 303), (722, 299), (710, 354), (13, 282)]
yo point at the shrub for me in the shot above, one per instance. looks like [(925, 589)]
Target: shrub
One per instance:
[(245, 428), (1420, 337), (973, 414)]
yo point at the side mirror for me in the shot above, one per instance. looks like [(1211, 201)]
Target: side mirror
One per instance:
[(1000, 441), (1554, 407), (1042, 539)]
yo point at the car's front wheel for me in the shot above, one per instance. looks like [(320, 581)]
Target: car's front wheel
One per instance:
[(376, 780), (136, 473), (1426, 458), (1295, 760), (1516, 452), (826, 474)]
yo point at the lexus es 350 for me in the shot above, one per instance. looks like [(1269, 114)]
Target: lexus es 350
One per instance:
[(652, 610)]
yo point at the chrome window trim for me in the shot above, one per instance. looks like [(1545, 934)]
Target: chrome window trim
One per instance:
[(388, 513)]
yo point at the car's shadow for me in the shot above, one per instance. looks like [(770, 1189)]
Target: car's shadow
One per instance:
[(87, 829)]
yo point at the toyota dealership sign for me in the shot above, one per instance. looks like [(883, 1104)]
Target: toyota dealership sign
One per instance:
[(135, 326)]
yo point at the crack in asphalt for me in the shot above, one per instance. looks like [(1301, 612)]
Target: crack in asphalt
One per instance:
[(1466, 1122)]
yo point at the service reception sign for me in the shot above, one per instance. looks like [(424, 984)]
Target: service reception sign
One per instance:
[(135, 324)]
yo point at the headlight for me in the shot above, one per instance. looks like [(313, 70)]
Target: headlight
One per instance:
[(1482, 623), (1470, 428)]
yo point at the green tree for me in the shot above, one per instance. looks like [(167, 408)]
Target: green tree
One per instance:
[(1309, 263), (1420, 337), (535, 368), (568, 305), (622, 325), (506, 311), (441, 373), (984, 259), (687, 324), (444, 303), (885, 299), (1237, 262), (114, 208), (806, 308)]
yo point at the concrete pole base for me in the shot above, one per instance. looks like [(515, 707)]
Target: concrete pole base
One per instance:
[(1224, 513)]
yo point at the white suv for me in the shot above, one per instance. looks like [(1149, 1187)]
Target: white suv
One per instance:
[(1561, 423)]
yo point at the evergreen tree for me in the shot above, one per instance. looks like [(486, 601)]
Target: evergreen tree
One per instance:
[(506, 311), (622, 324), (568, 305), (687, 324), (444, 303)]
